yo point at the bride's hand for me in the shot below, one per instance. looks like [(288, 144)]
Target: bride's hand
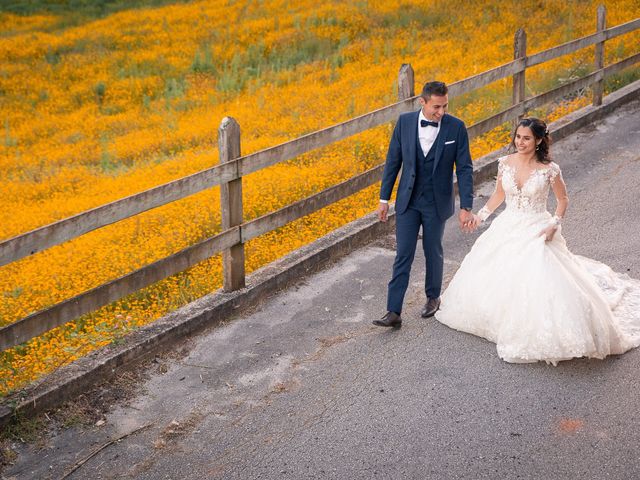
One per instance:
[(549, 232)]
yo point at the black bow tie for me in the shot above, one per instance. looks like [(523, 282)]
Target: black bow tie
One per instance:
[(427, 123)]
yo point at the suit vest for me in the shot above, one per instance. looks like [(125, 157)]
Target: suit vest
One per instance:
[(423, 194)]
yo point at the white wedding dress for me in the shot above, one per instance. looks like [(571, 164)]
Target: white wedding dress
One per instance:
[(535, 299)]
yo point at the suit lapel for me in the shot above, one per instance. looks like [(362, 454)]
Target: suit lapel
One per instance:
[(442, 135), (414, 137)]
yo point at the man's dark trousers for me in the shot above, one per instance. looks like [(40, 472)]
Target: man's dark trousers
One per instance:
[(421, 211)]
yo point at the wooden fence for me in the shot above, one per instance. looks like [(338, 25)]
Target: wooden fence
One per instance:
[(232, 167)]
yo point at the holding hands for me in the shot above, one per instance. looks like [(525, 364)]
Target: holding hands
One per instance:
[(468, 221)]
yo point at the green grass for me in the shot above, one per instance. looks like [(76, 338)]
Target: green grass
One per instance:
[(619, 80), (23, 429), (257, 63), (74, 10)]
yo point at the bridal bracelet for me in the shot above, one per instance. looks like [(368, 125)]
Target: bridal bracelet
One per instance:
[(556, 220), (484, 213)]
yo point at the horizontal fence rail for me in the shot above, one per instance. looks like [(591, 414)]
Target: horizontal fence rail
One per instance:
[(310, 204), (580, 43), (234, 169)]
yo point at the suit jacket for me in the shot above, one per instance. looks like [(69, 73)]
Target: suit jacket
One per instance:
[(452, 148)]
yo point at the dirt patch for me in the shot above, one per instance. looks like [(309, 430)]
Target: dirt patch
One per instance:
[(325, 344), (331, 341), (176, 430), (387, 241), (91, 407), (285, 386)]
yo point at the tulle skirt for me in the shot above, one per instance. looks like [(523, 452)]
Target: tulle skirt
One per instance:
[(538, 301)]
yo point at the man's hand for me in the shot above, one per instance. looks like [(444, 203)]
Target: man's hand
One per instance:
[(467, 221), (383, 211)]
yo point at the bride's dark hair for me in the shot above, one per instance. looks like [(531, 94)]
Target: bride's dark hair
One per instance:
[(540, 132)]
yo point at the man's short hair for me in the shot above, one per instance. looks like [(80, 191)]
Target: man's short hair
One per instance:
[(439, 89)]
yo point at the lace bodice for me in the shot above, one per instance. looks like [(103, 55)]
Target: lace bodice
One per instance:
[(532, 195)]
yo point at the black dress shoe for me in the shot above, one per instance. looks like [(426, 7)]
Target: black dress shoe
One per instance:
[(430, 308), (391, 319)]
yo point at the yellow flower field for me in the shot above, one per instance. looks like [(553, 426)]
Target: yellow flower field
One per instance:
[(98, 109)]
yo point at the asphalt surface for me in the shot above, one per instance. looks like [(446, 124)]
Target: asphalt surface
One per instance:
[(305, 387)]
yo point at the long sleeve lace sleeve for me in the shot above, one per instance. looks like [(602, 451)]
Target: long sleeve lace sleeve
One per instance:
[(560, 191), (554, 172)]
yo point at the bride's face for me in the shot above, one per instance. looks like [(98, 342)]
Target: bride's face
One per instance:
[(525, 141)]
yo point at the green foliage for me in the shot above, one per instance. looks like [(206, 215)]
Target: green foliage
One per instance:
[(257, 62), (146, 101), (76, 12), (618, 80), (52, 56), (232, 78), (315, 21), (620, 49), (100, 90), (147, 68), (108, 162), (74, 138), (23, 429), (174, 88), (15, 293), (410, 16), (351, 107), (203, 61), (306, 49), (9, 141)]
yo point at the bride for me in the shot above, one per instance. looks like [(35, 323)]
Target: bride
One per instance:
[(523, 289)]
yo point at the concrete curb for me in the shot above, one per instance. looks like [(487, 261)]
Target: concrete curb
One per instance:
[(101, 365)]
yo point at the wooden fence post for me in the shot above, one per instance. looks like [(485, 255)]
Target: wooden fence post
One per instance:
[(231, 205), (601, 24), (519, 51), (405, 82)]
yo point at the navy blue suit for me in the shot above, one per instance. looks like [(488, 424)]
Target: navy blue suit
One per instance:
[(424, 197)]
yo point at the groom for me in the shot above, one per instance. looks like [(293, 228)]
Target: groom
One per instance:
[(426, 144)]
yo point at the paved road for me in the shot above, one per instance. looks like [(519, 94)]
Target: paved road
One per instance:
[(305, 386)]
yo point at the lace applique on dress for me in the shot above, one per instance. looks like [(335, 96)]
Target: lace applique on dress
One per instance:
[(532, 195), (553, 172), (501, 162)]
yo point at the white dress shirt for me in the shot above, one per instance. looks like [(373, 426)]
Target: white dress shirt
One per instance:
[(427, 135)]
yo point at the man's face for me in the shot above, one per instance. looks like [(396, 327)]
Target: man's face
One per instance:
[(434, 108)]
